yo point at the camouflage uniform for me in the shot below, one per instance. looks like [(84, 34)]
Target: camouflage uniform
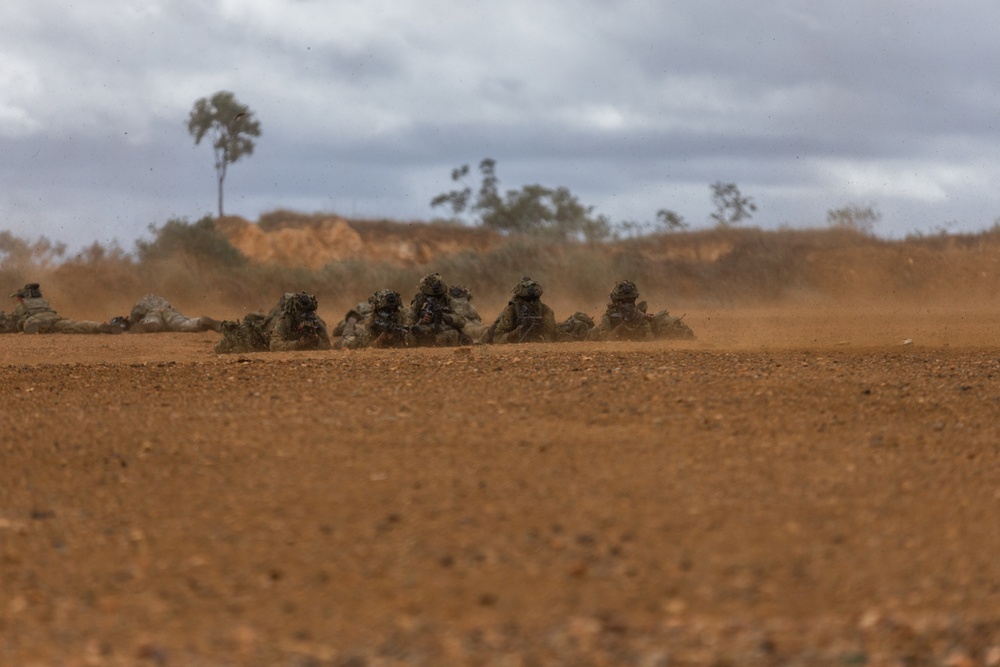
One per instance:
[(7, 323), (153, 314), (246, 336), (358, 313), (292, 324), (34, 315), (576, 328), (668, 327), (462, 299), (525, 319), (626, 320), (436, 322), (386, 325)]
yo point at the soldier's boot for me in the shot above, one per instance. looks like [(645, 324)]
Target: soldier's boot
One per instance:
[(119, 322), (211, 324)]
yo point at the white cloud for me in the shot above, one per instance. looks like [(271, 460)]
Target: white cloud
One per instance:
[(920, 182)]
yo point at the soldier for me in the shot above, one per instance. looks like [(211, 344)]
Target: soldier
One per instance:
[(292, 324), (436, 322), (352, 318), (525, 319), (386, 325), (153, 314), (33, 314), (462, 299), (625, 320), (576, 328)]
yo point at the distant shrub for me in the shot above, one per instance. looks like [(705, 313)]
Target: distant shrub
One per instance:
[(15, 251), (199, 240), (861, 219), (22, 261), (731, 206)]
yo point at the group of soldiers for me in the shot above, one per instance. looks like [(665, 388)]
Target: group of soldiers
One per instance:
[(437, 316), (151, 314), (443, 316)]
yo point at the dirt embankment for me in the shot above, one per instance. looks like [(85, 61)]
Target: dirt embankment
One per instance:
[(741, 263), (318, 242)]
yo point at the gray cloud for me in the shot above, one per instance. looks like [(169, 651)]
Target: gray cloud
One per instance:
[(366, 107)]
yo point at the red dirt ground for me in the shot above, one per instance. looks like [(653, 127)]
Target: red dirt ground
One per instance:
[(796, 486)]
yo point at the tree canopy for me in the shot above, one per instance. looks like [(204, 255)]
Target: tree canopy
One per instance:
[(229, 125), (731, 206), (533, 209)]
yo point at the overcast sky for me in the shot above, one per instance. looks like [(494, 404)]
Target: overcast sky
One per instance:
[(635, 105)]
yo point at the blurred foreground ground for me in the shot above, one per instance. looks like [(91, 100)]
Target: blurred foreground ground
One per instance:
[(797, 486)]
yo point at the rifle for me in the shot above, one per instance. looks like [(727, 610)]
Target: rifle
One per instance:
[(385, 324), (433, 311), (308, 327), (629, 315)]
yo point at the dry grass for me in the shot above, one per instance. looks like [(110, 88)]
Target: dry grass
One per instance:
[(203, 272)]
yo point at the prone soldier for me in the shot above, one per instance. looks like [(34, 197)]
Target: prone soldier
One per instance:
[(154, 314), (351, 319), (33, 314), (462, 300), (576, 327), (624, 319), (436, 321), (292, 324), (386, 325), (525, 319)]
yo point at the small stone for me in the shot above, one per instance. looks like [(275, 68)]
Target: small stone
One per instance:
[(959, 658), (869, 619)]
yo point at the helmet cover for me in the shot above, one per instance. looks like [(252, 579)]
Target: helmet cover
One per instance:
[(527, 289), (433, 285)]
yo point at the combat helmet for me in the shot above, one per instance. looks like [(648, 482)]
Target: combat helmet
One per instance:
[(433, 285), (385, 299), (527, 289), (460, 292), (29, 291), (625, 291), (301, 302)]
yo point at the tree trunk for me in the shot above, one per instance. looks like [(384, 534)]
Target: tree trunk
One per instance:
[(222, 177)]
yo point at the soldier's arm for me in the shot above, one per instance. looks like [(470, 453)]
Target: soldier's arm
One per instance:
[(471, 314), (504, 325), (280, 345), (324, 337), (454, 320), (603, 328), (548, 325), (281, 341)]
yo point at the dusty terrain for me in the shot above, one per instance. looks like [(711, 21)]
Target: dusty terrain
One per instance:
[(796, 486)]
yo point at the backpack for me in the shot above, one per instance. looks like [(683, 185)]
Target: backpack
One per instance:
[(246, 336)]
